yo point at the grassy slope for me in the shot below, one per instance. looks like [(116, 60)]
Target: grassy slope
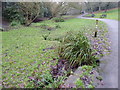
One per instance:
[(111, 14), (0, 59), (23, 50)]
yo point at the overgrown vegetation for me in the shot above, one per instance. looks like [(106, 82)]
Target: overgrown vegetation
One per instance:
[(76, 49)]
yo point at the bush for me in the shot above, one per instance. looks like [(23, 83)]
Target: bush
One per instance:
[(93, 15), (11, 12), (79, 83), (14, 23), (1, 29), (76, 49), (50, 27), (58, 19), (57, 26), (103, 15)]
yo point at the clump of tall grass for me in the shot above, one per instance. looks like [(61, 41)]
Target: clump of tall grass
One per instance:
[(76, 49)]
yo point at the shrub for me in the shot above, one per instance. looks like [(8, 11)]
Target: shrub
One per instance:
[(1, 29), (103, 15), (57, 26), (76, 49), (48, 27), (58, 19), (93, 15), (14, 23)]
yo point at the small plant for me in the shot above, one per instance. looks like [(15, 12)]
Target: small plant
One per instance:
[(47, 81), (58, 19), (42, 80), (56, 82), (79, 84), (86, 79), (1, 29), (93, 15), (90, 86), (87, 68), (45, 36), (86, 71), (14, 23), (57, 26), (99, 78), (103, 15)]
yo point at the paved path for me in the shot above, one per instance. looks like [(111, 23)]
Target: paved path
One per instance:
[(110, 68)]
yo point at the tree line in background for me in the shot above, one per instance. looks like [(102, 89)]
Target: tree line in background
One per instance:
[(26, 12)]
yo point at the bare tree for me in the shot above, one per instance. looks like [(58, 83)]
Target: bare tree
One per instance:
[(76, 5), (30, 11), (56, 8)]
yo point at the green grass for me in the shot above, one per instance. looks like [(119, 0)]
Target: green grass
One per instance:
[(69, 16), (0, 59), (22, 50), (111, 14)]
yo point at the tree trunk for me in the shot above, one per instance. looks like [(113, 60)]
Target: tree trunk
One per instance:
[(99, 8)]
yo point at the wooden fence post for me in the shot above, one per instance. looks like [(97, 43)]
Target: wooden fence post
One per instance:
[(96, 28)]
